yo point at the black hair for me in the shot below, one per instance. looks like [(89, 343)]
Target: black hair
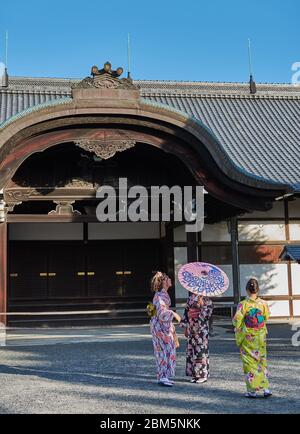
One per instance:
[(252, 286)]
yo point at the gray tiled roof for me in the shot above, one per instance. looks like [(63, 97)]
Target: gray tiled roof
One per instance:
[(260, 133), (290, 253)]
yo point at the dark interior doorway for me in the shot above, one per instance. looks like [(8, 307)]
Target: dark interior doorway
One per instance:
[(71, 275)]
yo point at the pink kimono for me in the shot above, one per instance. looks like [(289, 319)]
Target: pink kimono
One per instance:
[(162, 330)]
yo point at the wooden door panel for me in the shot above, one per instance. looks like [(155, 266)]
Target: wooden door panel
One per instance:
[(66, 270), (104, 269), (140, 259), (27, 270)]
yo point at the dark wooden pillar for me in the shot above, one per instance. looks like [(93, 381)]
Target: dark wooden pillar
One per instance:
[(289, 265), (192, 247), (235, 260), (3, 264), (169, 249)]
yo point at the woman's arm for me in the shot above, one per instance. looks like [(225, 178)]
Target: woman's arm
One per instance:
[(163, 312), (238, 318), (266, 311), (238, 322), (206, 309)]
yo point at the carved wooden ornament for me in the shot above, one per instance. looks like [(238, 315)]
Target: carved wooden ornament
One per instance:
[(105, 149)]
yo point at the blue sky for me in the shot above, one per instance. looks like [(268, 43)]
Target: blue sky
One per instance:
[(171, 40)]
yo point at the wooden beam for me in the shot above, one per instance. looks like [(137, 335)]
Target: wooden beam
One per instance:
[(289, 266), (192, 246), (235, 260), (3, 272), (44, 218), (23, 194)]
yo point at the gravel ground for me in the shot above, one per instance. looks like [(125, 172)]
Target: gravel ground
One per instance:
[(112, 370)]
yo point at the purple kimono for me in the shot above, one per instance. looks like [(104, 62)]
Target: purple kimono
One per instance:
[(162, 330)]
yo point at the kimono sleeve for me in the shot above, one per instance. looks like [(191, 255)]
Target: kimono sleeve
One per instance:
[(184, 319), (238, 322), (266, 311), (207, 310), (238, 318), (163, 313)]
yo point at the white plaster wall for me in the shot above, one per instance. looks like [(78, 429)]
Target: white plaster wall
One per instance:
[(295, 268), (279, 308), (295, 231), (261, 231), (296, 307), (215, 232), (272, 278)]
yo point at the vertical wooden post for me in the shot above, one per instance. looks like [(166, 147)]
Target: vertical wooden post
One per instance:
[(192, 247), (235, 260), (289, 265), (3, 264), (170, 260)]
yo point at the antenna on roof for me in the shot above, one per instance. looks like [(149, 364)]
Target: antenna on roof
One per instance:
[(6, 48), (252, 83), (4, 75), (128, 57)]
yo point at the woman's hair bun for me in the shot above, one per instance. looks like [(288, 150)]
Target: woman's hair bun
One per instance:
[(252, 286)]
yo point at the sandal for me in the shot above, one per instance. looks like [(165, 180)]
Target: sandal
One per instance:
[(201, 380), (251, 395)]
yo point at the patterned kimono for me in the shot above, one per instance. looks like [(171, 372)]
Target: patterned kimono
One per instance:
[(196, 319), (250, 334), (162, 330)]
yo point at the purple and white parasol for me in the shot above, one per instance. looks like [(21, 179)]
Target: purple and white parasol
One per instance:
[(203, 279)]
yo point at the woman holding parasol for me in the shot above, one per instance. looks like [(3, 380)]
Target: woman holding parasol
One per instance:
[(202, 280)]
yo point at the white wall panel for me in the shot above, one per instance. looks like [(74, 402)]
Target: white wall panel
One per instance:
[(215, 232), (279, 308), (272, 278), (262, 231), (296, 307), (295, 268), (295, 231)]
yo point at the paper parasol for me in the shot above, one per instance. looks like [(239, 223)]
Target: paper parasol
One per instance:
[(203, 279)]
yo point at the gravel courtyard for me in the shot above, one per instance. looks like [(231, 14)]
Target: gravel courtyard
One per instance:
[(112, 370)]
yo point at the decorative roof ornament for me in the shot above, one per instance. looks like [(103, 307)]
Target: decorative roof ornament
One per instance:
[(252, 84), (105, 78), (104, 149), (106, 144)]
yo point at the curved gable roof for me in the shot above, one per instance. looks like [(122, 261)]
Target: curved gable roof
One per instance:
[(260, 133)]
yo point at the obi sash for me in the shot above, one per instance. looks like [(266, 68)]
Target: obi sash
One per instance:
[(193, 313)]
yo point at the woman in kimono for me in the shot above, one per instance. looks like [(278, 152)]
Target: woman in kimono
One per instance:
[(196, 320), (250, 334), (163, 330)]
